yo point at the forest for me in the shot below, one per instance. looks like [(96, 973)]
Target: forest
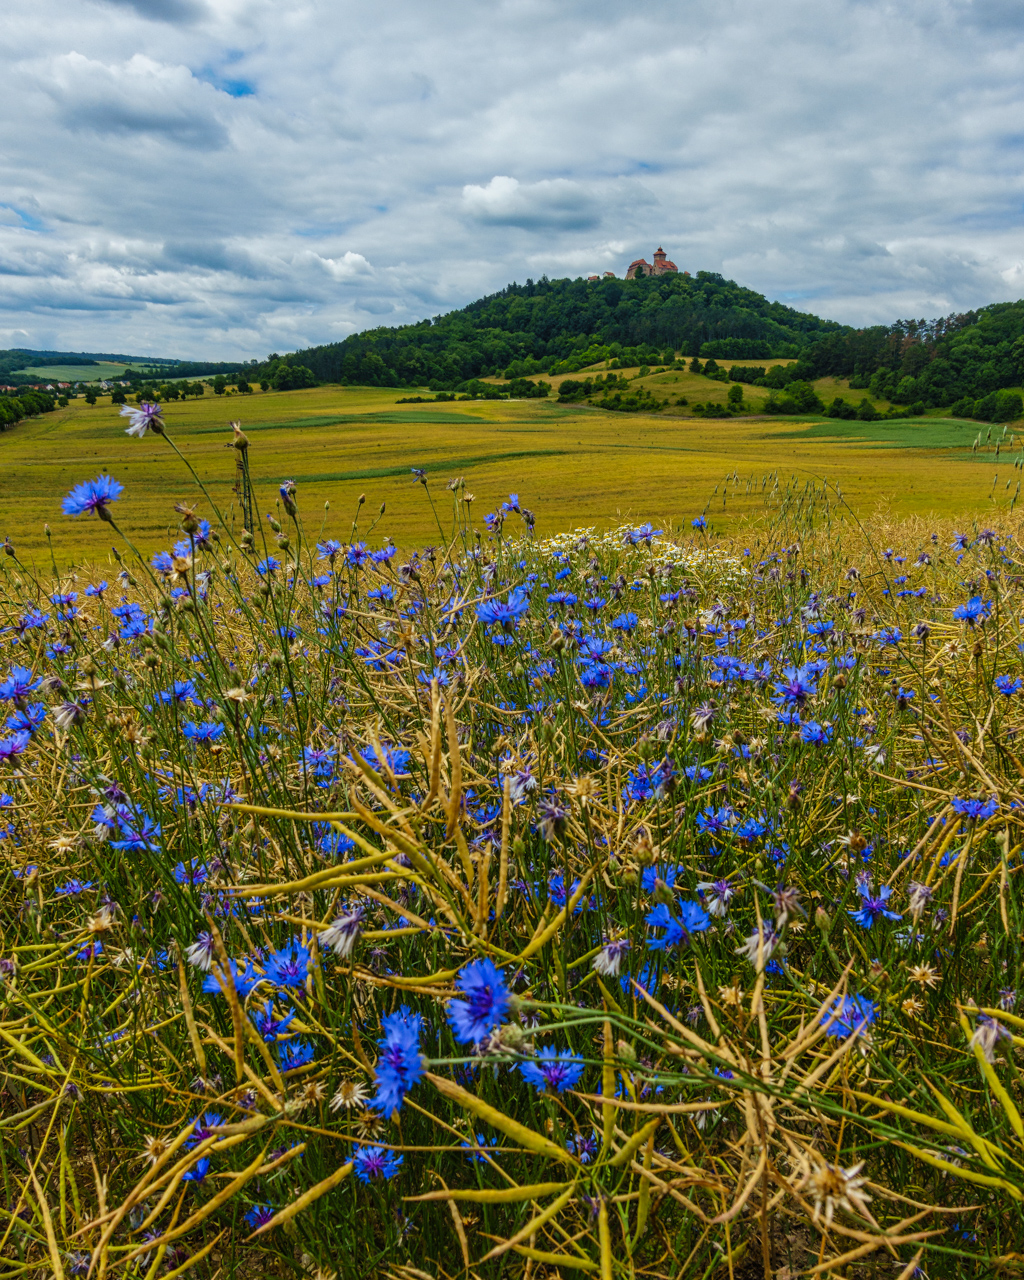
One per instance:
[(550, 326)]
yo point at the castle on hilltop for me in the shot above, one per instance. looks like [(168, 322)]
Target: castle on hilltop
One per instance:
[(662, 266)]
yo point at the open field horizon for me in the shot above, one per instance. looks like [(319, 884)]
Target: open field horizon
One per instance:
[(572, 465)]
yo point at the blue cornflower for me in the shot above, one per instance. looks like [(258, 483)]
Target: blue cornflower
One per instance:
[(203, 1127), (199, 1172), (163, 562), (644, 534), (294, 1054), (357, 554), (372, 1164), (651, 875), (585, 1147), (848, 1015), (552, 1069), (245, 979), (476, 1151), (486, 1005), (19, 684), (28, 720), (692, 918), (816, 734), (73, 888), (336, 843), (206, 733), (713, 822), (975, 610), (1008, 686), (400, 1064), (625, 621), (288, 967), (320, 760), (14, 746), (873, 906), (596, 675), (93, 495), (795, 687), (977, 810), (504, 613), (259, 1215), (397, 759), (270, 565), (180, 691), (960, 542), (328, 550), (699, 523)]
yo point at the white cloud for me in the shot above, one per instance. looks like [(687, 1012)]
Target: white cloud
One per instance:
[(190, 176), (554, 204), (140, 96)]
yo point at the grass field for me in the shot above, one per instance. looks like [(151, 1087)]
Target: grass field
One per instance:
[(571, 465), (79, 372)]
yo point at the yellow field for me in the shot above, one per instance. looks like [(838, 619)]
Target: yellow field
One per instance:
[(572, 466)]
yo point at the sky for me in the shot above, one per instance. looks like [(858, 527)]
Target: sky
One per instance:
[(220, 179)]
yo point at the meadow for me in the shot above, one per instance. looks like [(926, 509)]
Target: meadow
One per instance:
[(100, 371), (634, 903), (583, 467)]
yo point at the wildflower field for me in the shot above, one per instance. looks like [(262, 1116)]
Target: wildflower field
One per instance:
[(618, 902)]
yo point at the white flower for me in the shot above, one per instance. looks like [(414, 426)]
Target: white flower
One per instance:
[(341, 936), (608, 960), (768, 940), (832, 1187), (200, 953), (144, 418)]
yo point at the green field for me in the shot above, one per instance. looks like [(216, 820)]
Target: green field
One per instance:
[(572, 465), (98, 372)]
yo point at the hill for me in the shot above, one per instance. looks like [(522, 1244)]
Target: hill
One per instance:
[(558, 326), (966, 362)]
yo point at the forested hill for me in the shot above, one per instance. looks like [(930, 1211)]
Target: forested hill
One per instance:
[(533, 328)]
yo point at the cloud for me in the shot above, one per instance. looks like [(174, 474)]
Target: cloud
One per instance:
[(556, 203), (861, 160), (140, 96), (185, 11)]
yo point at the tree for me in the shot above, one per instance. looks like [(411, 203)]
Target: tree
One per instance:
[(695, 365), (735, 396), (244, 387), (90, 396), (264, 385), (219, 385), (117, 396)]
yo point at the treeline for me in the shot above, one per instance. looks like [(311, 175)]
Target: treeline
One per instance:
[(26, 405), (545, 327), (961, 360)]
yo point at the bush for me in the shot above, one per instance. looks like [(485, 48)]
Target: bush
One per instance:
[(840, 409)]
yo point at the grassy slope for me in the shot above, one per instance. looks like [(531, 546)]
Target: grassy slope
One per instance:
[(572, 466)]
